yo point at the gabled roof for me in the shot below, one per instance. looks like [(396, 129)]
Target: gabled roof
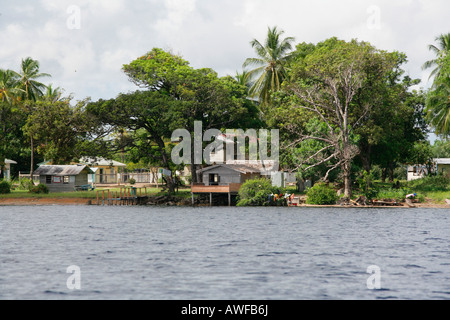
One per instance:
[(235, 167), (73, 170), (442, 161), (101, 162), (245, 166)]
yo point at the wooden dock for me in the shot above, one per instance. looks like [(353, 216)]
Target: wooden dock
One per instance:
[(231, 189), (124, 197)]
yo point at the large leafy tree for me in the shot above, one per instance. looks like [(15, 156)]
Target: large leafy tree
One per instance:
[(346, 85), (441, 149), (269, 67), (57, 127), (176, 96)]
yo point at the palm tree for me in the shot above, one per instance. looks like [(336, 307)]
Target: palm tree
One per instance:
[(441, 50), (9, 90), (241, 78), (29, 73), (270, 66), (32, 91), (53, 94), (438, 107)]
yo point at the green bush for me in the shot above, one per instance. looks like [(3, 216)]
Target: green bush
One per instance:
[(5, 187), (40, 188), (257, 192), (132, 181), (25, 184), (321, 194), (366, 187), (430, 183), (393, 194)]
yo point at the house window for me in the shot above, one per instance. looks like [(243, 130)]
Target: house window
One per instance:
[(66, 179), (48, 179), (214, 179)]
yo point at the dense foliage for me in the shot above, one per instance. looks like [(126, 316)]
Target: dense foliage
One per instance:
[(342, 107), (5, 187), (260, 192), (321, 194), (40, 188)]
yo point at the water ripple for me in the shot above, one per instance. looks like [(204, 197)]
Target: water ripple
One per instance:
[(223, 253)]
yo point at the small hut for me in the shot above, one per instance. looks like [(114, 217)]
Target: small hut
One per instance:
[(443, 166), (7, 168), (105, 171), (63, 178), (225, 174)]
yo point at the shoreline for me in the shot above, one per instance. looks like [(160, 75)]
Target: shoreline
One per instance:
[(14, 202)]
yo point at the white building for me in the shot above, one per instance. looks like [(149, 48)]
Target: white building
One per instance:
[(7, 173)]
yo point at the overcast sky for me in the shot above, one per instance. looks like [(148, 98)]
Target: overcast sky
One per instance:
[(84, 43)]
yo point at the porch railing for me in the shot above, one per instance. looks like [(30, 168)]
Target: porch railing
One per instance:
[(124, 178), (23, 175)]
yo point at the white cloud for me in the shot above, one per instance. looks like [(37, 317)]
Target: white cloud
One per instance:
[(177, 12), (207, 33)]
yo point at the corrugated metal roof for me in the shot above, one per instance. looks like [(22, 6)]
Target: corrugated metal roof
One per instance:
[(61, 170), (247, 166), (442, 161), (101, 162), (234, 167)]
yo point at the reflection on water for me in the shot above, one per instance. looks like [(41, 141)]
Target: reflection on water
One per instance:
[(223, 253)]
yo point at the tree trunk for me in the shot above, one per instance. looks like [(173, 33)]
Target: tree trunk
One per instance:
[(165, 161), (383, 175), (346, 169), (365, 156), (194, 173), (391, 171)]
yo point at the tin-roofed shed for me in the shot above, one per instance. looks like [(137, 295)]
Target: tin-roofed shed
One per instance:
[(7, 168), (63, 178), (225, 174)]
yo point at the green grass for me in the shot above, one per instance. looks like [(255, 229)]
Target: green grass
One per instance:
[(438, 196), (436, 189), (76, 194)]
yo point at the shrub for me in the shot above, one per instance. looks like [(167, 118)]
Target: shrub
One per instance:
[(132, 181), (25, 184), (366, 187), (393, 194), (431, 183), (40, 188), (257, 192), (321, 194), (5, 187)]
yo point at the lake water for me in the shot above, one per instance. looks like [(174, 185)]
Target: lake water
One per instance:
[(221, 253)]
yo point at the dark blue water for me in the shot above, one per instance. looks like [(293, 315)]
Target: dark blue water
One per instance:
[(223, 253)]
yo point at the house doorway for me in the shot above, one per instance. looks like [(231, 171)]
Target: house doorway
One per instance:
[(101, 172), (214, 179)]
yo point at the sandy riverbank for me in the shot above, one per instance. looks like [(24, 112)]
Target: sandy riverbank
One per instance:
[(78, 201), (43, 201)]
